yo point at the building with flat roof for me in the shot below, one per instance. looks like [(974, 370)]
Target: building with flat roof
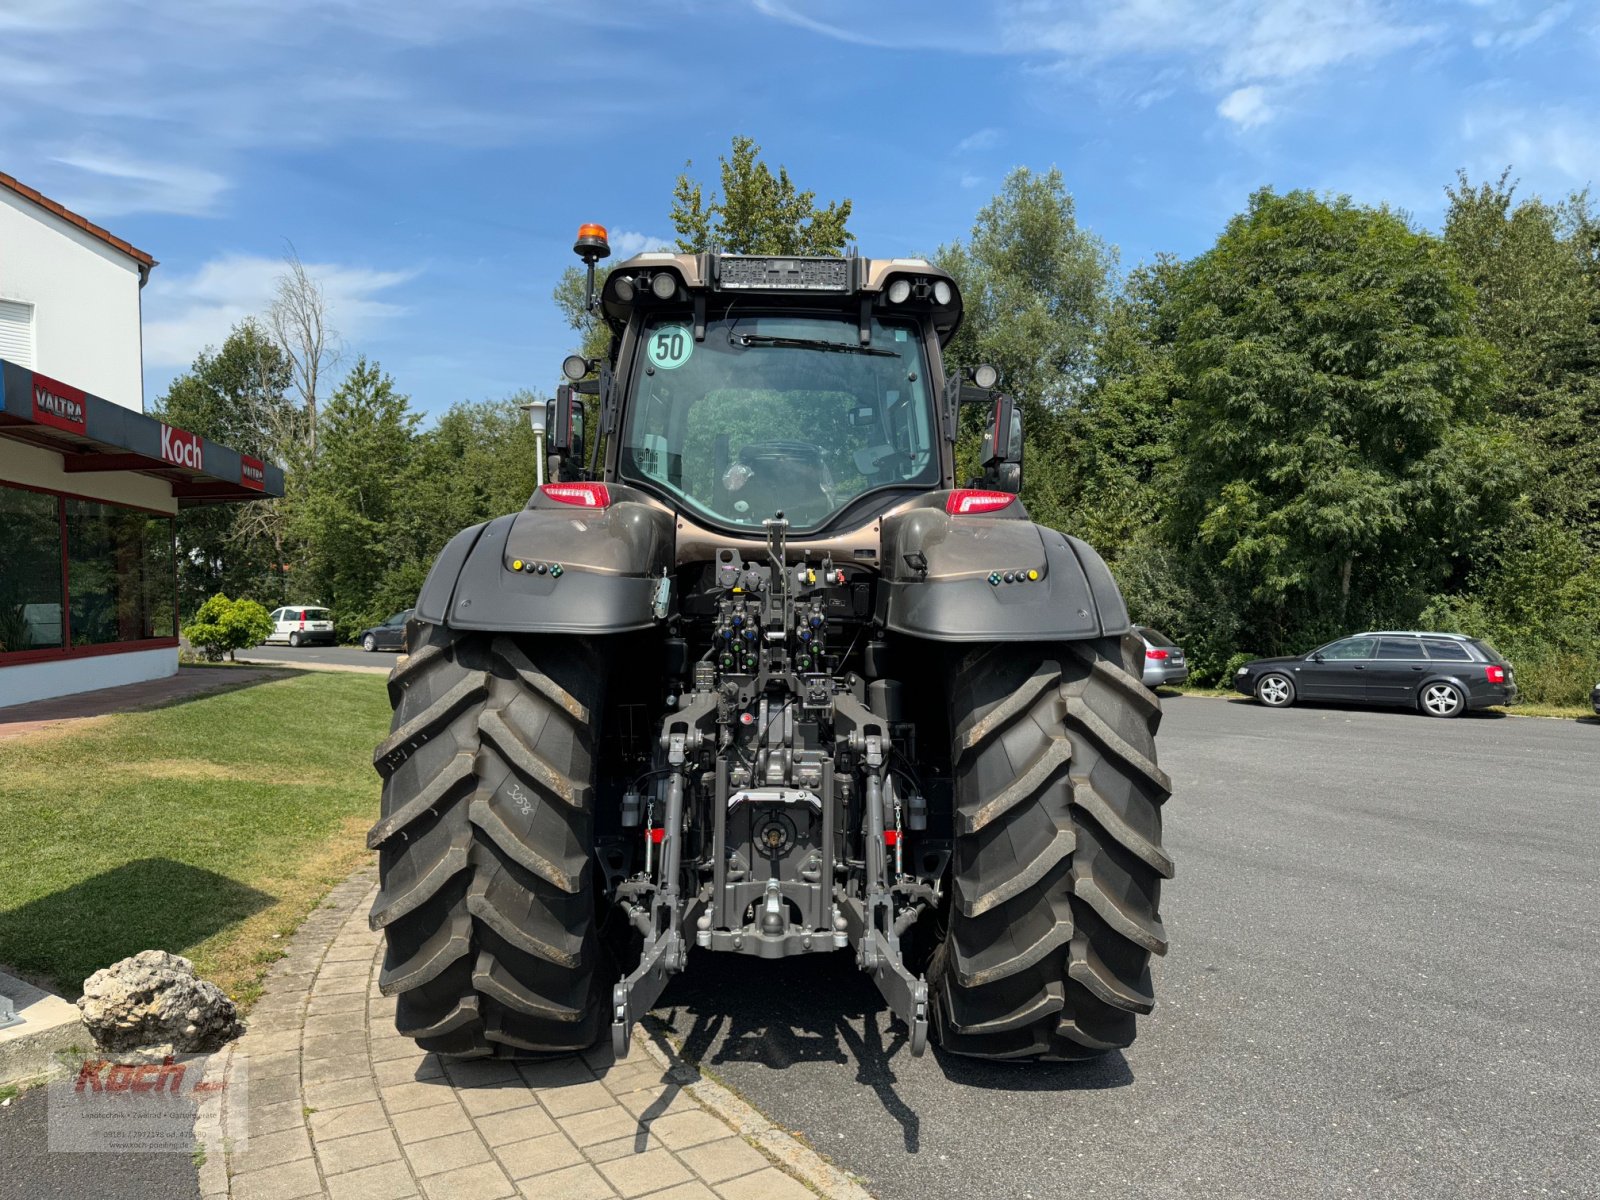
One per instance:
[(89, 485)]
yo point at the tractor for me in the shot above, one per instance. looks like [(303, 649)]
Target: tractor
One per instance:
[(751, 673)]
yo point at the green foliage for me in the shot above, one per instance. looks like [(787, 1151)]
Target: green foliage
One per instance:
[(1338, 462), (1537, 278), (1034, 287), (757, 212), (238, 396), (222, 626), (354, 493)]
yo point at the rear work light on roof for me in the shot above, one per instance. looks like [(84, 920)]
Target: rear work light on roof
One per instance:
[(582, 495), (1158, 655), (1497, 674), (969, 502)]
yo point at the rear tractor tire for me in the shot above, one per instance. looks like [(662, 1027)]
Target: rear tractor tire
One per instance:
[(486, 887), (1058, 863)]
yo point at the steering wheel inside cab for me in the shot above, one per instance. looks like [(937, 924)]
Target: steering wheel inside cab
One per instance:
[(768, 476)]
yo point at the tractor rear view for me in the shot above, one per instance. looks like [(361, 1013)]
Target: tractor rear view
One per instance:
[(753, 675)]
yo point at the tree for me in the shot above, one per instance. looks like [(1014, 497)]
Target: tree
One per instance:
[(1537, 279), (354, 495), (757, 212), (1337, 461), (222, 626), (1034, 289), (298, 318), (236, 395)]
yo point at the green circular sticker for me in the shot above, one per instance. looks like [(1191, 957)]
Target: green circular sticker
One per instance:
[(669, 346)]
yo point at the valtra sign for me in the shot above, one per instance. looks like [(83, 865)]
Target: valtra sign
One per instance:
[(252, 473), (58, 405), (182, 448)]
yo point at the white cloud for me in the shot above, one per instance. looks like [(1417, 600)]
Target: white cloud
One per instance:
[(118, 184), (1246, 107), (969, 180), (984, 139), (1515, 33), (1548, 147), (208, 84), (1219, 46), (1228, 44), (625, 243), (183, 314)]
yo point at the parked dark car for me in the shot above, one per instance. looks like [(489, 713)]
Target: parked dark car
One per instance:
[(1440, 674), (1164, 662), (1594, 699), (391, 635)]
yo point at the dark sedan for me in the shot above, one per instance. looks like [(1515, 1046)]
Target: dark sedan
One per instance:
[(1439, 674), (1594, 699), (391, 635)]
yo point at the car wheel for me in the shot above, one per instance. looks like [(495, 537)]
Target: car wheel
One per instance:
[(1275, 691), (369, 643), (1442, 700), (294, 640)]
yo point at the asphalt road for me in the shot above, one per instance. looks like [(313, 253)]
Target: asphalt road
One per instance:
[(1384, 981), (29, 1171), (343, 656)]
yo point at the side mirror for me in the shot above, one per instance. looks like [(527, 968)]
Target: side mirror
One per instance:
[(1317, 657), (1001, 455), (564, 422)]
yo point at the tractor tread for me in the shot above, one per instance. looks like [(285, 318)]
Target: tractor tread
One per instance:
[(486, 895), (1058, 863)]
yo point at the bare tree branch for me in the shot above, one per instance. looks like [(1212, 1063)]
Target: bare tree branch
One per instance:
[(299, 321)]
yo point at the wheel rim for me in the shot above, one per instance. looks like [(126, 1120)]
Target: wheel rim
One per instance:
[(1274, 690), (1441, 700), (369, 642)]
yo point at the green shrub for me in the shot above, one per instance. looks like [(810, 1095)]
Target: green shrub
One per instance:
[(223, 626)]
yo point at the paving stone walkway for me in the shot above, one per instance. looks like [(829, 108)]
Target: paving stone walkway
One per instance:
[(340, 1106)]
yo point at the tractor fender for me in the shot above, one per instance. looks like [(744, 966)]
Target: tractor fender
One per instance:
[(940, 577), (600, 570)]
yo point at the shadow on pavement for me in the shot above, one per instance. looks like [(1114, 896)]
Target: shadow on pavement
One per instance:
[(729, 1008)]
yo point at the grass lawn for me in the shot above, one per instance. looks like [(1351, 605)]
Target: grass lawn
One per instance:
[(204, 828)]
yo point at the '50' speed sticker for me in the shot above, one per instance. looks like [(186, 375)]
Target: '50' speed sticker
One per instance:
[(669, 346)]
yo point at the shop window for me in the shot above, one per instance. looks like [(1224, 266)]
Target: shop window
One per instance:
[(30, 571), (120, 574)]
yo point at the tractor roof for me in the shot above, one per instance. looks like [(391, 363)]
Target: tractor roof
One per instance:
[(843, 283)]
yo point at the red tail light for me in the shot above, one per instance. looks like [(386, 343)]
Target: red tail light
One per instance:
[(1497, 674), (1158, 655), (584, 495), (967, 502), (891, 836)]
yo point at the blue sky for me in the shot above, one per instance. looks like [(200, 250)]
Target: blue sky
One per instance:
[(430, 162)]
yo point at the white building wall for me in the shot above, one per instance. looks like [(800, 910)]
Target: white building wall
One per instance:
[(41, 468), (26, 682), (85, 297)]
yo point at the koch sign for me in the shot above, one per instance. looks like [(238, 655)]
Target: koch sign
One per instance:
[(58, 405), (182, 449), (252, 473)]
